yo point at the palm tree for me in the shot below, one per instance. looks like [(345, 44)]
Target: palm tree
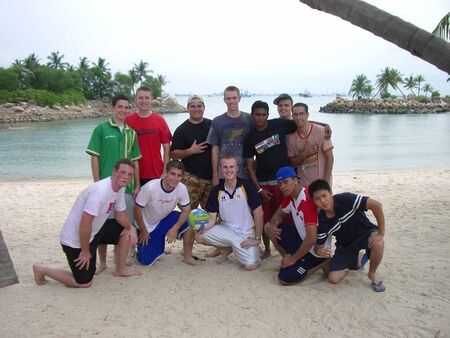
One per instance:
[(361, 87), (442, 30), (395, 77), (31, 62), (83, 64), (410, 83), (162, 79), (427, 89), (389, 27), (102, 65), (55, 61), (419, 79), (383, 81), (141, 70)]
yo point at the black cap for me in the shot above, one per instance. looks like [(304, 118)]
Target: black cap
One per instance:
[(283, 96)]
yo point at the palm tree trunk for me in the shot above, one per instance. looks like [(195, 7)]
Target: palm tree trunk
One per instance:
[(389, 27), (7, 273)]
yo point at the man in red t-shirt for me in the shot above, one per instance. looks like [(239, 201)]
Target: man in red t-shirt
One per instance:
[(295, 243), (152, 131)]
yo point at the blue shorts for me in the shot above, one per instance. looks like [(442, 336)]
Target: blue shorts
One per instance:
[(148, 254), (347, 257), (290, 241)]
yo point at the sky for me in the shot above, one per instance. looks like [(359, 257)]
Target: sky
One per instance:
[(203, 46)]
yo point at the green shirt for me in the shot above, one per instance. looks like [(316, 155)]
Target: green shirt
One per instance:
[(110, 144)]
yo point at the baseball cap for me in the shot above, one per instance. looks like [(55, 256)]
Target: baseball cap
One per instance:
[(285, 172), (283, 96), (193, 98)]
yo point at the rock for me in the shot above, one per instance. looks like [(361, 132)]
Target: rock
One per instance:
[(8, 105), (19, 109)]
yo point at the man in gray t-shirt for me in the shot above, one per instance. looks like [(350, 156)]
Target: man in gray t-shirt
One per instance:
[(228, 132)]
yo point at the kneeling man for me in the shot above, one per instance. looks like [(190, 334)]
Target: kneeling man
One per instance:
[(295, 243), (155, 215), (83, 230), (234, 199), (343, 216)]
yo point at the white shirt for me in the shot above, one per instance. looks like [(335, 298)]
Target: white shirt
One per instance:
[(97, 200)]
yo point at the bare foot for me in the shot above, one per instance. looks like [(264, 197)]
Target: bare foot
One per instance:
[(266, 254), (214, 253), (39, 275), (189, 260), (102, 267), (127, 273), (225, 252)]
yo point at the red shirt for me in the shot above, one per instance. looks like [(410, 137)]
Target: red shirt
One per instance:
[(152, 132)]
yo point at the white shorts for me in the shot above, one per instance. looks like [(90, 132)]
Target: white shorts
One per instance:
[(222, 236)]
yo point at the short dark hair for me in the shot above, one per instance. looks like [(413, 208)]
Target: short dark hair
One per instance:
[(144, 89), (174, 164), (118, 98), (124, 161), (300, 104), (318, 185), (232, 89), (260, 104)]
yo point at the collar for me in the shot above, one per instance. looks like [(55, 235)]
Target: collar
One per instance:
[(112, 123)]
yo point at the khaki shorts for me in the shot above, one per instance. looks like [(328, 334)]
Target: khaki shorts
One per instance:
[(198, 189)]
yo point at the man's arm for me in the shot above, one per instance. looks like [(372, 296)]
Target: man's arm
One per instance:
[(85, 234), (173, 232), (137, 179), (329, 161), (327, 128), (95, 168), (166, 157), (377, 210), (266, 195), (271, 228), (143, 233), (215, 164), (307, 244), (258, 220)]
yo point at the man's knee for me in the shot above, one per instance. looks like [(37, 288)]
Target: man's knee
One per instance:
[(250, 267), (86, 285), (335, 278), (84, 280)]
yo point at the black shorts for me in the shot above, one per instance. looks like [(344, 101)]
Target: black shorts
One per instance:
[(82, 276), (110, 232), (347, 257)]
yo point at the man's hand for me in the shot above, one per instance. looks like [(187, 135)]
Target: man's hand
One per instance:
[(266, 195), (198, 148), (327, 131), (311, 149), (273, 231), (324, 252), (144, 237), (287, 261), (83, 260), (172, 235), (374, 237), (249, 242)]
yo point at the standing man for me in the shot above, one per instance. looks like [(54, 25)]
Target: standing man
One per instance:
[(84, 230), (265, 151), (189, 145), (319, 163), (155, 215), (343, 216), (111, 141), (240, 232), (228, 132), (153, 132), (295, 243), (284, 104)]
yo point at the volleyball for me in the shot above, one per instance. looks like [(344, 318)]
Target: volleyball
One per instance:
[(198, 219)]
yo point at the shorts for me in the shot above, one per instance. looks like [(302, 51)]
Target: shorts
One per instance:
[(347, 257), (82, 276), (222, 236), (148, 254), (198, 189), (290, 241), (110, 232)]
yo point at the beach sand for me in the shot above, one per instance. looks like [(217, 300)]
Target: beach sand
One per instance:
[(172, 299)]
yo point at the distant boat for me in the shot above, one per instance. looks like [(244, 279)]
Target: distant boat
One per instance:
[(306, 93), (245, 93)]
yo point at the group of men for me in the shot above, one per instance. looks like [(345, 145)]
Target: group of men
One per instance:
[(239, 167)]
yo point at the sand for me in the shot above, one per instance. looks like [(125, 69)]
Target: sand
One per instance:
[(172, 299)]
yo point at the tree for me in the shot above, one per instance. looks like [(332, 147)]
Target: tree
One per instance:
[(141, 70), (389, 77), (410, 83), (9, 79), (162, 79), (122, 84), (55, 61), (389, 27), (383, 81), (427, 89), (395, 77), (442, 30), (419, 79), (361, 87)]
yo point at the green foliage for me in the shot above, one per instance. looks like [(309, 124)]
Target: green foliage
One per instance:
[(9, 79), (154, 84), (361, 87), (385, 95), (442, 30), (42, 97), (123, 84)]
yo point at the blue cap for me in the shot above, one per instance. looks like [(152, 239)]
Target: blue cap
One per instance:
[(285, 172)]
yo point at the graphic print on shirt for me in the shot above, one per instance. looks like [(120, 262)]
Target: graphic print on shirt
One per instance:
[(267, 143)]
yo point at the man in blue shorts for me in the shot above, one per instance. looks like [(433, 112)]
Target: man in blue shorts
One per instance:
[(84, 230), (343, 216), (296, 242), (155, 215)]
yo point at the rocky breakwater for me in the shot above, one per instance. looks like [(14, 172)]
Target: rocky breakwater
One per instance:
[(385, 106), (11, 113)]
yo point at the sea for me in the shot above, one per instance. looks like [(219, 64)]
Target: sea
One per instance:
[(31, 151)]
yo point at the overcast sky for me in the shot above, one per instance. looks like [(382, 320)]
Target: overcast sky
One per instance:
[(267, 46)]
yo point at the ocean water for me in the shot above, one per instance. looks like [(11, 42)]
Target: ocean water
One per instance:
[(361, 142)]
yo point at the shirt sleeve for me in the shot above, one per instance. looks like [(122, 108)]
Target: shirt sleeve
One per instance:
[(143, 197), (322, 232), (253, 198), (95, 142), (166, 135), (212, 204), (135, 151), (310, 211), (93, 204), (178, 141), (249, 149), (184, 200)]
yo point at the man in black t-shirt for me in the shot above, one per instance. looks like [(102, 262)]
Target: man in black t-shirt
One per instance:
[(189, 145), (265, 151)]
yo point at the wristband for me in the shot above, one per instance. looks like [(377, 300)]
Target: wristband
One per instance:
[(260, 189)]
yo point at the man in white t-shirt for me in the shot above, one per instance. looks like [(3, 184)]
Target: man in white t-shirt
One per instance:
[(155, 215), (239, 206), (83, 230)]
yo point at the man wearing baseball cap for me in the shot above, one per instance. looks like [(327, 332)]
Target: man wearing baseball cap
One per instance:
[(294, 243), (284, 104)]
